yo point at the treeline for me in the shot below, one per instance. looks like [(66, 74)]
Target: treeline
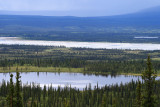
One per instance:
[(145, 94), (47, 52), (75, 63), (90, 36), (110, 66), (123, 95)]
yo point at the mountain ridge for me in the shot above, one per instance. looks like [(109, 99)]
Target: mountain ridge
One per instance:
[(37, 13), (146, 18)]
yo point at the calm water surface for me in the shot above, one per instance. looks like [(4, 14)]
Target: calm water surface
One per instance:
[(95, 45), (145, 37), (77, 80)]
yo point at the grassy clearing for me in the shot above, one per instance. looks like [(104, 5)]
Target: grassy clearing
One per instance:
[(58, 69), (156, 59), (47, 69), (39, 69)]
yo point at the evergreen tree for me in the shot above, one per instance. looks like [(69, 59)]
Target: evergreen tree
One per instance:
[(149, 76), (18, 91), (139, 94), (10, 98)]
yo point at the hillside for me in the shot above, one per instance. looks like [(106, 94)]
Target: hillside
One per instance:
[(146, 18), (121, 28)]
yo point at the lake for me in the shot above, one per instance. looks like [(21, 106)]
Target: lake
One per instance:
[(69, 44), (77, 80), (145, 37)]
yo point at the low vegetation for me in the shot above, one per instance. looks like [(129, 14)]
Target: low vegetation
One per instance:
[(145, 94), (61, 59)]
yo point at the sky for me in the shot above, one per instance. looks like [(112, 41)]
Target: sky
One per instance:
[(77, 7)]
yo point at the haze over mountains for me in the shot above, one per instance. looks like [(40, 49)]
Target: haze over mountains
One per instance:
[(13, 20), (77, 13)]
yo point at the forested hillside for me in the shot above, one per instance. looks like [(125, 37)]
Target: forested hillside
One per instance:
[(121, 28)]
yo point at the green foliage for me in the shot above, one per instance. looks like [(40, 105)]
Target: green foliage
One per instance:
[(11, 97), (106, 61), (91, 60), (114, 95), (149, 76), (18, 91), (139, 94)]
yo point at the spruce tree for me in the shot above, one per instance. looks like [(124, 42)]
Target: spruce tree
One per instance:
[(18, 91), (139, 94), (148, 77), (10, 97)]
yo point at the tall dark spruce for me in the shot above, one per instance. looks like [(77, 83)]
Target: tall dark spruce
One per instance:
[(139, 94), (148, 77), (18, 91), (10, 97)]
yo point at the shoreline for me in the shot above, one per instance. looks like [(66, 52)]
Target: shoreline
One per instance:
[(76, 44), (27, 69)]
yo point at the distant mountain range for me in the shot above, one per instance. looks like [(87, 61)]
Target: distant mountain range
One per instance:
[(15, 20)]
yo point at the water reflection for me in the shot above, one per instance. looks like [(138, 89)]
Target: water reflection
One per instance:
[(76, 80)]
